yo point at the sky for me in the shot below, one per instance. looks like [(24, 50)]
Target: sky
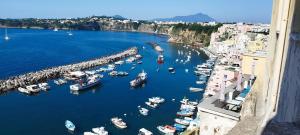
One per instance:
[(256, 11)]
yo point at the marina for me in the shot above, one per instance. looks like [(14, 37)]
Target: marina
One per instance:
[(123, 100)]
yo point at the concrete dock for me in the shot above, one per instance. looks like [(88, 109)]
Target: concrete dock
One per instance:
[(56, 72)]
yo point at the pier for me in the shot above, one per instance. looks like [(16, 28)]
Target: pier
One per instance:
[(56, 72)]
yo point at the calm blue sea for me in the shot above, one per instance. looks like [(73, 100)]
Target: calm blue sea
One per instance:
[(44, 114)]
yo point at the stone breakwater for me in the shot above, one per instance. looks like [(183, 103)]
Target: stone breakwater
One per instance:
[(56, 72)]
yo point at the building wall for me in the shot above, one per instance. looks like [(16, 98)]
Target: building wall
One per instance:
[(211, 124)]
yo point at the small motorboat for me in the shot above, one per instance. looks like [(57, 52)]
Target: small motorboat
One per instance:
[(176, 125), (171, 70), (33, 88), (138, 56), (182, 121), (60, 81), (139, 62), (160, 59), (89, 133), (166, 129), (44, 86), (192, 89), (120, 62), (100, 131), (69, 125), (24, 90), (143, 111), (144, 131), (157, 100), (200, 82), (185, 113), (150, 104), (118, 122), (90, 82)]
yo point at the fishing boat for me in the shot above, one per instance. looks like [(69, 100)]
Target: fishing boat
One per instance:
[(118, 122), (143, 111), (44, 86), (6, 36), (160, 59), (100, 131), (166, 129), (193, 89), (90, 82), (182, 121), (157, 100), (69, 125), (144, 131), (185, 113), (176, 125), (140, 79), (60, 81), (150, 104)]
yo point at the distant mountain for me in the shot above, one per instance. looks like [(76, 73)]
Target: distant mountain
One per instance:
[(119, 17), (190, 18)]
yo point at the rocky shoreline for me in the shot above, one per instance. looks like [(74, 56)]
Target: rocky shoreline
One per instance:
[(56, 72)]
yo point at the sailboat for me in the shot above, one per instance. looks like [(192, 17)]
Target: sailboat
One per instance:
[(6, 36)]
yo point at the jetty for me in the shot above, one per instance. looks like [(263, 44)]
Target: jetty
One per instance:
[(56, 72)]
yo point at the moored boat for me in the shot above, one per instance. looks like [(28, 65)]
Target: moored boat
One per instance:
[(182, 121), (157, 100), (166, 129), (33, 88), (160, 59), (185, 113), (69, 125), (193, 89), (150, 104), (100, 131), (89, 133), (44, 86), (118, 122), (176, 125), (23, 90), (60, 81), (144, 131)]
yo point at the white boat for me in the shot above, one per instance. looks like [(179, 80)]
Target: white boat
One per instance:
[(100, 131), (89, 133), (138, 56), (143, 111), (140, 79), (60, 81), (157, 100), (118, 122), (187, 107), (44, 86), (153, 105), (91, 81), (167, 129), (144, 131), (33, 88), (182, 121), (193, 89), (23, 90), (130, 59), (69, 125), (200, 82), (120, 62), (6, 36)]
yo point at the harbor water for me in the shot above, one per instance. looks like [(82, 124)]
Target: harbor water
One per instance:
[(45, 113)]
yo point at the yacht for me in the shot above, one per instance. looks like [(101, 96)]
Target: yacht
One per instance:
[(166, 129), (143, 111), (140, 79), (6, 36), (144, 131), (90, 82), (44, 86), (100, 131), (69, 125), (118, 122)]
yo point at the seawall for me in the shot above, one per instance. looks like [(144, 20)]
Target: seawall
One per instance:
[(56, 72)]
